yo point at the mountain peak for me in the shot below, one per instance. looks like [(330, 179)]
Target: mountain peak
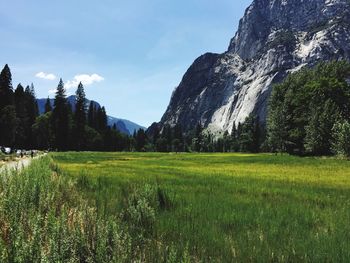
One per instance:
[(264, 17), (274, 38)]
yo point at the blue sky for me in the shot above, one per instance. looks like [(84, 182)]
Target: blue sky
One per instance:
[(130, 54)]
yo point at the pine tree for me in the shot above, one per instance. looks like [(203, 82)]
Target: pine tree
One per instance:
[(277, 127), (141, 140), (178, 138), (197, 140), (80, 118), (22, 115), (91, 116), (318, 139), (32, 113), (249, 137), (60, 118), (234, 143), (48, 107), (102, 119), (8, 125), (8, 120), (168, 136), (6, 90), (42, 131)]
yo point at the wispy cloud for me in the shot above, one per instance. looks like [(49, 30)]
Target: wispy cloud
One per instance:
[(43, 75), (85, 79), (52, 91)]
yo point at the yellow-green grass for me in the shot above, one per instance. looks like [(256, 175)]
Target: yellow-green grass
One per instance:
[(232, 207)]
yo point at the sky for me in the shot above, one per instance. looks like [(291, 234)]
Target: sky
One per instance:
[(130, 55)]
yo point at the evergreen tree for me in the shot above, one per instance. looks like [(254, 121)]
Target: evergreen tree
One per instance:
[(42, 131), (48, 107), (305, 106), (8, 126), (102, 119), (168, 136), (80, 118), (226, 142), (234, 139), (60, 119), (197, 140), (141, 140), (91, 112), (6, 90), (22, 116), (32, 113), (318, 139), (156, 134), (8, 120), (161, 145), (178, 139), (249, 137)]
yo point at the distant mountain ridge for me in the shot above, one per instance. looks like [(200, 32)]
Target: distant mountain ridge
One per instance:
[(124, 126)]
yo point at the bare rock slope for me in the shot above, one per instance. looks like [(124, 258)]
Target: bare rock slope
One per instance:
[(274, 38)]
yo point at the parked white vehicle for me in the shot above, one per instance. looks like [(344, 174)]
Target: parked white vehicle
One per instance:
[(7, 150)]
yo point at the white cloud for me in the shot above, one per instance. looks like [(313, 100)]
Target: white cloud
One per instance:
[(85, 79), (52, 91), (43, 75)]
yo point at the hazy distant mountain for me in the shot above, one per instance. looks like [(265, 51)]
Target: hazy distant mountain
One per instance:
[(274, 38), (124, 126), (129, 125)]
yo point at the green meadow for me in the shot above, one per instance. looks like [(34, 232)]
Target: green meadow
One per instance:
[(223, 207)]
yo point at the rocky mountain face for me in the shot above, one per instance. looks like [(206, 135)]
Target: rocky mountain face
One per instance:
[(274, 38)]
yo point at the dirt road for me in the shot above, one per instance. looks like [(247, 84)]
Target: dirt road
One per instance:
[(18, 165)]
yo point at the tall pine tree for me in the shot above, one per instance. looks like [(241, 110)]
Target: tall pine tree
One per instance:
[(22, 116), (8, 120), (80, 118), (60, 119), (32, 113), (6, 90), (48, 106)]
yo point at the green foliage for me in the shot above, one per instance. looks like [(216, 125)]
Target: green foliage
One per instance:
[(44, 218), (304, 108), (6, 90), (141, 140), (48, 106), (284, 38), (8, 125), (80, 119), (341, 138), (61, 119), (42, 131), (249, 135)]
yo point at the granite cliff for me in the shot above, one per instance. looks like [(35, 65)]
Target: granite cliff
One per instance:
[(274, 38)]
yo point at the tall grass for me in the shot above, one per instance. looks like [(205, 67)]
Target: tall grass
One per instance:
[(44, 218), (225, 207)]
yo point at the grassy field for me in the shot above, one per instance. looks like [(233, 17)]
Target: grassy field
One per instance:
[(228, 207)]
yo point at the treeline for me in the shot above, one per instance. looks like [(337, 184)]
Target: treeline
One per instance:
[(59, 128), (246, 137), (309, 114)]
